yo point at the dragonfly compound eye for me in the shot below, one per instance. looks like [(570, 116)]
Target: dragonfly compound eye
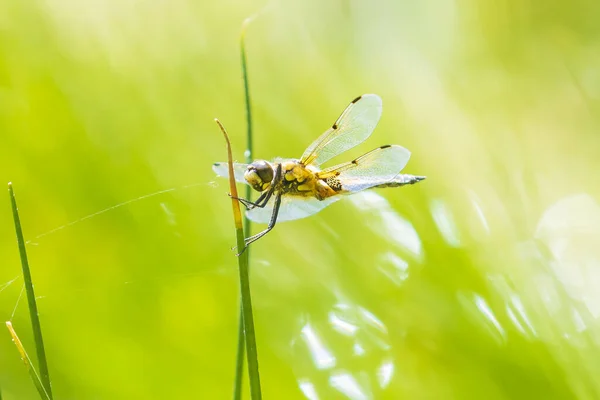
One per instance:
[(259, 175)]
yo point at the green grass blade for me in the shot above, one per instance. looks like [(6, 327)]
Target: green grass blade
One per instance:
[(239, 363), (253, 373), (249, 146), (27, 361), (241, 352), (251, 349), (33, 310), (247, 100)]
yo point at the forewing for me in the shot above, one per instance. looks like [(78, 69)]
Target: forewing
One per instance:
[(291, 208), (374, 168), (222, 169), (353, 127)]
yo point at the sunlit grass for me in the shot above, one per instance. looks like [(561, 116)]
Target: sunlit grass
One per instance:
[(483, 277), (239, 363), (41, 381), (35, 377)]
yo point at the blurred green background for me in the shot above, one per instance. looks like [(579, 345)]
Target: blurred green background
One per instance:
[(480, 282)]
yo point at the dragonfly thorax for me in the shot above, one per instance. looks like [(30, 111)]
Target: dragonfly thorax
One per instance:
[(259, 175)]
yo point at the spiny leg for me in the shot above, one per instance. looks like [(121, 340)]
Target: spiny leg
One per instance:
[(276, 206), (250, 204), (272, 222)]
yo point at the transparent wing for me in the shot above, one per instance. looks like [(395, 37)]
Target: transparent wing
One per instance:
[(222, 169), (377, 167), (291, 208), (354, 126)]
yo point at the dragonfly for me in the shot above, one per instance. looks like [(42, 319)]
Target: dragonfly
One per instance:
[(297, 188)]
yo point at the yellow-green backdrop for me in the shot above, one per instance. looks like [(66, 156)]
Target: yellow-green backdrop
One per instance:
[(481, 282)]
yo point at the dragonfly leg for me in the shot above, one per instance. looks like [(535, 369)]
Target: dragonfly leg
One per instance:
[(271, 225), (276, 206), (250, 204)]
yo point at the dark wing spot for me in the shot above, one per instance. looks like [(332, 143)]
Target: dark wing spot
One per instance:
[(385, 146), (334, 126), (334, 183), (354, 162), (356, 99)]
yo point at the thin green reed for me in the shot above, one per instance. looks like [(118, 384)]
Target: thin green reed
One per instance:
[(32, 305), (239, 364)]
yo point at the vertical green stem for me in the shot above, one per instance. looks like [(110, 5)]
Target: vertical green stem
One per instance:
[(33, 310), (248, 108), (239, 364), (255, 391)]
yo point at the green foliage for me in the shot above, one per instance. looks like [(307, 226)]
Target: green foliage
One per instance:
[(41, 381), (479, 282)]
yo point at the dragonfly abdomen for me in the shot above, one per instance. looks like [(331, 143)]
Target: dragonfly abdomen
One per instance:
[(401, 180)]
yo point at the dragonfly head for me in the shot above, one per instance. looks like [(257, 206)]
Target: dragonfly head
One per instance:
[(259, 175)]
